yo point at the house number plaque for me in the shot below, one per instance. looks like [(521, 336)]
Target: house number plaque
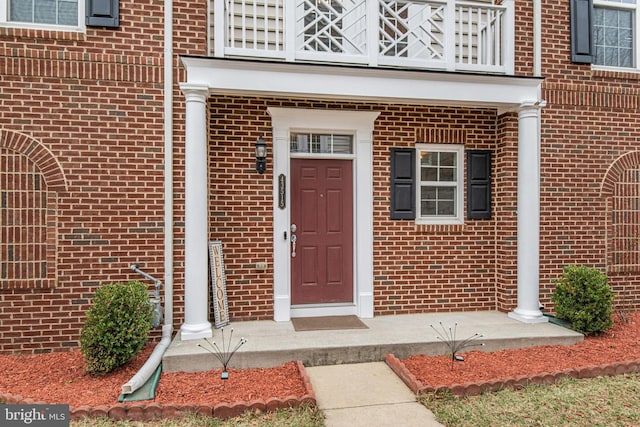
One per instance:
[(282, 191)]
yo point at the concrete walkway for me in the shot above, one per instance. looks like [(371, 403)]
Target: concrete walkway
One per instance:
[(366, 394)]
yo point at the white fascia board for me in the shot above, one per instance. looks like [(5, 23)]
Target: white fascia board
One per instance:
[(258, 78)]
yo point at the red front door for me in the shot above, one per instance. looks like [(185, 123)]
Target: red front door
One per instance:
[(322, 215)]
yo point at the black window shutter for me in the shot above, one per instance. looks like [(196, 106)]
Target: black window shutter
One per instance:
[(403, 183), (103, 13), (478, 184), (581, 31)]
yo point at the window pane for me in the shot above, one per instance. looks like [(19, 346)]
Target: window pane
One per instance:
[(343, 144), (428, 208), (45, 12), (446, 208), (610, 18), (447, 159), (315, 143), (60, 12), (68, 13), (598, 17), (324, 144), (446, 193), (21, 10), (428, 201), (429, 174), (610, 56), (428, 159), (429, 193), (610, 36), (446, 201), (625, 38), (626, 58), (447, 174), (437, 201), (438, 166), (299, 143), (613, 37)]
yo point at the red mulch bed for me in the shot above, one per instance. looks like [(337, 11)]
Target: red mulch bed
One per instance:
[(619, 344), (60, 378)]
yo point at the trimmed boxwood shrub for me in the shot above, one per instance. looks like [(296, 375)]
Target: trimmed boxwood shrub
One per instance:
[(117, 326), (584, 297)]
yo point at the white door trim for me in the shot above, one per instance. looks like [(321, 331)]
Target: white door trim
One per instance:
[(360, 124)]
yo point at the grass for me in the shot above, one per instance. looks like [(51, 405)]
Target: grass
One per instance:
[(603, 401), (304, 416)]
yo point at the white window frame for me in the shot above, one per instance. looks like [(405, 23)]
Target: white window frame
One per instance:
[(635, 10), (458, 217), (4, 20)]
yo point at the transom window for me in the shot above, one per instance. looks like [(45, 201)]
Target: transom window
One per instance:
[(321, 143), (41, 13), (615, 32), (440, 182)]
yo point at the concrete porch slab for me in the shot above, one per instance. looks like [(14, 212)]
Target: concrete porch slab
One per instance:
[(272, 343)]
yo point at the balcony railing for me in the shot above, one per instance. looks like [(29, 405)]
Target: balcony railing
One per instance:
[(431, 34)]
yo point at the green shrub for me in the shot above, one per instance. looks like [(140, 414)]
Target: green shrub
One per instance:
[(117, 326), (584, 297)]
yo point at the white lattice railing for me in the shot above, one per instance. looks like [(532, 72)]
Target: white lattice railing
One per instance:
[(436, 34)]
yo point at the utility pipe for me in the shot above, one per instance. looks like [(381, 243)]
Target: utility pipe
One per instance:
[(537, 38), (150, 366), (168, 162)]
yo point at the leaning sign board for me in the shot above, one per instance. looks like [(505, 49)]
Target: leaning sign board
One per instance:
[(218, 284)]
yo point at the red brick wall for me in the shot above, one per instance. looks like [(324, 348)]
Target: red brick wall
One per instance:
[(426, 268), (416, 268), (592, 118), (523, 45), (94, 101), (505, 211)]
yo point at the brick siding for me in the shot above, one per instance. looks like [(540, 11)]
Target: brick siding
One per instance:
[(87, 110)]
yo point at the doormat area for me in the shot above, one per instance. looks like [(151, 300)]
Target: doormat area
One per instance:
[(327, 323)]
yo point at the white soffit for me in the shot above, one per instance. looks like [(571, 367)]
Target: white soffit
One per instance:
[(256, 78)]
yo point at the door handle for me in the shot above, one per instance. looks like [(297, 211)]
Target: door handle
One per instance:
[(293, 245)]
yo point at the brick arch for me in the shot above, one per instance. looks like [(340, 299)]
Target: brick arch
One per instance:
[(621, 164), (40, 155)]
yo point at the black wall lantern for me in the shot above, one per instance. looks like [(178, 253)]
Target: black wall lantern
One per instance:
[(261, 155)]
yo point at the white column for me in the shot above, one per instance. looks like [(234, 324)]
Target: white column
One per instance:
[(196, 324), (281, 222), (528, 309), (364, 214)]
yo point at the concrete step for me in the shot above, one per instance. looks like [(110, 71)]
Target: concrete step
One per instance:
[(272, 343)]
